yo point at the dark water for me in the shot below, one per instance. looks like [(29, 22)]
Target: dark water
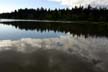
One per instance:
[(35, 46)]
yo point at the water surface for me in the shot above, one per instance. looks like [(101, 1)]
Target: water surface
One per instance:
[(53, 47), (8, 32)]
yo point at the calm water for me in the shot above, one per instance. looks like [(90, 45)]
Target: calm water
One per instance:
[(31, 46), (8, 32)]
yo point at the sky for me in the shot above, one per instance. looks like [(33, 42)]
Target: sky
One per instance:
[(11, 5)]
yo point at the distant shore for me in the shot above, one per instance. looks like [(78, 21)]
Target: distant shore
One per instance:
[(60, 15)]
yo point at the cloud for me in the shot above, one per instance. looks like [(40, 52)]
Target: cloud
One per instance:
[(85, 3)]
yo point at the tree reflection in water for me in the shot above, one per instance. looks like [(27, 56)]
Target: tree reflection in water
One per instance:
[(76, 28)]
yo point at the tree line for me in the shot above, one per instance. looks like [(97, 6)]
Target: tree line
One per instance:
[(76, 13)]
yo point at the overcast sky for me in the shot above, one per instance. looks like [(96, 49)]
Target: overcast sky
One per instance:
[(10, 5)]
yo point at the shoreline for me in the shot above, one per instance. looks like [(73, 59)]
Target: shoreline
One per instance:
[(58, 21)]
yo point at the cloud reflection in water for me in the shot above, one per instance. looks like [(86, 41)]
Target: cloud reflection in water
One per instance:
[(64, 54)]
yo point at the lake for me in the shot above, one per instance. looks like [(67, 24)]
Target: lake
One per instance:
[(48, 46)]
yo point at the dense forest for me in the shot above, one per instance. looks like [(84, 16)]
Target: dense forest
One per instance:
[(76, 13)]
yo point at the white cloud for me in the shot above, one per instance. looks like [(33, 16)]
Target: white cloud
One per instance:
[(94, 3)]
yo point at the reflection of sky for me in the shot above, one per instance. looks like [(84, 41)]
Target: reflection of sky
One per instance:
[(90, 48), (9, 32)]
